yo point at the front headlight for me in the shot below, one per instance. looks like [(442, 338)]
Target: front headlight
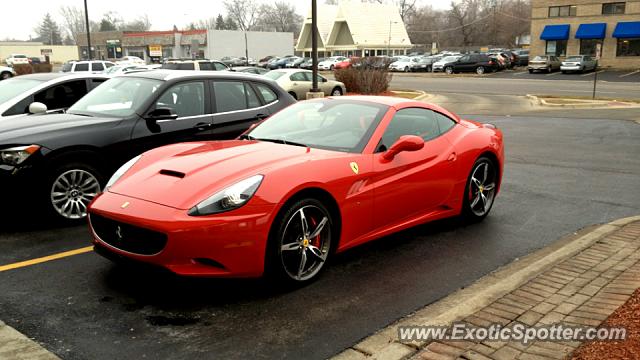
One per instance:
[(123, 169), (228, 199), (17, 155)]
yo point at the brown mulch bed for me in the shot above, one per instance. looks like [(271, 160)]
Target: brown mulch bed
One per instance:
[(627, 316)]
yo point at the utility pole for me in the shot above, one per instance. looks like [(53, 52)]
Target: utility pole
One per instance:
[(246, 49), (86, 18), (314, 46)]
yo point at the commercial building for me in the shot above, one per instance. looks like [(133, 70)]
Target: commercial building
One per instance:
[(55, 53), (353, 28), (604, 29), (255, 44)]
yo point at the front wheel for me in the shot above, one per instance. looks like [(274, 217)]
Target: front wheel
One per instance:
[(5, 75), (480, 70), (301, 245), (480, 191), (530, 71), (336, 91), (331, 67), (448, 70), (70, 189), (406, 69)]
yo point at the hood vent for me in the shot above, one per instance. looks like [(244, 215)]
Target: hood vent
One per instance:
[(172, 173)]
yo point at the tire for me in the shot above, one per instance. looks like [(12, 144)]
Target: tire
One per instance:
[(549, 70), (68, 190), (480, 191), (289, 244), (337, 91), (406, 69), (480, 70), (293, 94), (530, 71), (448, 70), (428, 69), (5, 75), (331, 67)]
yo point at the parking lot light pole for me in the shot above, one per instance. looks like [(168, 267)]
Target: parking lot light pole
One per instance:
[(86, 18), (315, 91)]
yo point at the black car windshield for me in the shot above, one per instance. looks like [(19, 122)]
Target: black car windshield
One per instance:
[(118, 97), (11, 88), (339, 125)]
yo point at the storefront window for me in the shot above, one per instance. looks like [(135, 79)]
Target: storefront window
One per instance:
[(556, 47), (590, 46), (628, 47)]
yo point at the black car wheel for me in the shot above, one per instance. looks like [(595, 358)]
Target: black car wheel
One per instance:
[(530, 71), (5, 75), (448, 70), (336, 91), (331, 67), (301, 244), (406, 69), (480, 70), (70, 189), (480, 191), (293, 94), (428, 69)]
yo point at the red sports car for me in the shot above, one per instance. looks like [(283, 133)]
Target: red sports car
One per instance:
[(345, 64), (316, 178)]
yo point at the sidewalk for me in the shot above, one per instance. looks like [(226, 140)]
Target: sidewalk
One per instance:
[(578, 281)]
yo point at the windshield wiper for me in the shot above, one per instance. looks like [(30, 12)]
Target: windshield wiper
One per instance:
[(79, 114), (282, 141)]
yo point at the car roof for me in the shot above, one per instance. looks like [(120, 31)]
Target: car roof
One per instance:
[(166, 75), (291, 70), (385, 100), (61, 76)]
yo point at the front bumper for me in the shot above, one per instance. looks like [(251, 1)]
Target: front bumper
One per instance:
[(230, 244)]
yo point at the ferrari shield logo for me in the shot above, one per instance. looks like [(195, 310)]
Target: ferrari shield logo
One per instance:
[(354, 167), (125, 205)]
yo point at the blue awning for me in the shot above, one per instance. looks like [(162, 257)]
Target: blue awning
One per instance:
[(555, 32), (629, 29), (591, 31)]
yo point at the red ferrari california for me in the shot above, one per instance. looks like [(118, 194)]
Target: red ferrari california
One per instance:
[(316, 178)]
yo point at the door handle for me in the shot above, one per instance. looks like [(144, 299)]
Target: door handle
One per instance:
[(452, 157), (262, 116), (202, 126)]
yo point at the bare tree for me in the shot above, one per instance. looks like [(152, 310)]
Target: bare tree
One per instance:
[(280, 16), (243, 12), (142, 23), (464, 15), (74, 22)]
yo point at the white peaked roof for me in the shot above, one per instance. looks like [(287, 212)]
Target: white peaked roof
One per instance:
[(326, 16)]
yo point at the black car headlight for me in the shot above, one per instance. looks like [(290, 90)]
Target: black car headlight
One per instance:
[(123, 169), (17, 155), (228, 199)]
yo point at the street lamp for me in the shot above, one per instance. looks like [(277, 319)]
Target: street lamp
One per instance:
[(86, 18), (389, 41)]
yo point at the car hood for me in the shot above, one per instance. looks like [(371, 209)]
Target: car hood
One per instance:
[(32, 128), (183, 175)]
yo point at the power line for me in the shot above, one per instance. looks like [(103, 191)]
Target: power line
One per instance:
[(466, 25)]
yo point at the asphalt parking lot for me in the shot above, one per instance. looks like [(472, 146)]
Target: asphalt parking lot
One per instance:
[(561, 175)]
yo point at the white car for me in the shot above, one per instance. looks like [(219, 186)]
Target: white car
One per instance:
[(579, 63), (297, 83), (330, 63), (439, 65), (6, 72), (17, 59), (130, 60), (124, 69), (404, 64), (94, 66)]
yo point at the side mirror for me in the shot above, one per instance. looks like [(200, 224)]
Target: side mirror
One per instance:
[(324, 80), (161, 113), (37, 108), (404, 143)]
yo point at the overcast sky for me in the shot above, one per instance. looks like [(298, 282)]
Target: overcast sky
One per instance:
[(25, 15)]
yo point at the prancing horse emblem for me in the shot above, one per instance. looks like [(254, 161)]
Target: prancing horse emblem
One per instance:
[(354, 167), (119, 233)]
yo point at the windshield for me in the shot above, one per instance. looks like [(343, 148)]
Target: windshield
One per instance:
[(119, 97), (340, 125), (114, 69), (11, 88), (274, 75), (574, 58)]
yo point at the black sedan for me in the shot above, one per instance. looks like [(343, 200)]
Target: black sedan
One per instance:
[(478, 63), (60, 162)]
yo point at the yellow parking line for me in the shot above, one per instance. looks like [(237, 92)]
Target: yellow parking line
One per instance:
[(46, 258)]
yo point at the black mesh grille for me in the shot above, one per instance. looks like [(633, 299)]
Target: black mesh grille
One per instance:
[(127, 237)]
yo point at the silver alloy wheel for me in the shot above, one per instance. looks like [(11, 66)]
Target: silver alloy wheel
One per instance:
[(305, 242), (336, 92), (482, 189), (72, 192)]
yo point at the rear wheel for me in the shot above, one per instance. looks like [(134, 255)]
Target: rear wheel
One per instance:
[(331, 67), (301, 245), (549, 69), (448, 70), (406, 69), (480, 190), (530, 71), (336, 91), (480, 70), (5, 75)]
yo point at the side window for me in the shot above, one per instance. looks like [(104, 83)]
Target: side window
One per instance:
[(267, 94), (464, 59), (252, 98), (219, 66), (186, 99), (97, 67), (229, 96), (185, 66), (96, 82), (22, 107), (299, 76), (81, 67), (206, 66), (109, 64), (411, 121), (63, 95), (444, 122)]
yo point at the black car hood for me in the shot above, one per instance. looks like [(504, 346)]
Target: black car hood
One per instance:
[(33, 129)]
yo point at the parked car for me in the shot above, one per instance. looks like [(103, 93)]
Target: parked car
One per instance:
[(523, 57), (250, 70), (94, 66), (6, 72), (292, 60), (404, 64), (44, 92), (313, 180), (265, 60), (297, 82), (60, 162), (296, 64), (347, 63), (16, 59), (308, 65), (330, 62), (439, 65), (131, 60), (280, 63), (35, 60), (546, 63), (580, 63), (478, 63), (124, 69), (503, 60), (424, 64), (198, 65)]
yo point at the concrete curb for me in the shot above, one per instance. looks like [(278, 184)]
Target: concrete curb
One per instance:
[(582, 104), (384, 344), (14, 345)]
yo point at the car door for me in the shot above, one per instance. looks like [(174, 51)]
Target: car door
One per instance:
[(189, 101), (300, 82), (464, 63), (236, 107), (412, 183)]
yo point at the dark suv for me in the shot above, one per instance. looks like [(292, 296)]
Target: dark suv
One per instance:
[(478, 63), (60, 162)]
